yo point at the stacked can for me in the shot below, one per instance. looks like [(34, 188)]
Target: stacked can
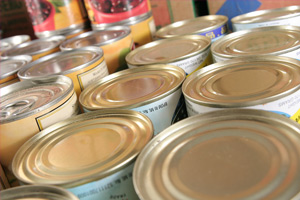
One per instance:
[(10, 42), (133, 13)]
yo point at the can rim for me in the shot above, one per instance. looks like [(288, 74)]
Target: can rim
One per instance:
[(25, 58)]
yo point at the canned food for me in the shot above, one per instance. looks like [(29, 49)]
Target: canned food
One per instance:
[(77, 32), (51, 18), (28, 107), (269, 83), (10, 67), (10, 42), (111, 11), (83, 65), (91, 155), (142, 28), (190, 52), (212, 26), (154, 90), (116, 42), (274, 40), (37, 192), (227, 154), (271, 17), (36, 48)]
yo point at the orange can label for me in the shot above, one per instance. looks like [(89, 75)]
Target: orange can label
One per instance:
[(51, 15)]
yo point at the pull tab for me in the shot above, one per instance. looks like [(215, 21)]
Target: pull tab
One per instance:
[(17, 107)]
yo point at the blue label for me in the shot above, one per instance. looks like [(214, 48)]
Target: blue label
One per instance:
[(216, 33)]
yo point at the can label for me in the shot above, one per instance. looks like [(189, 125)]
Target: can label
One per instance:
[(116, 186), (216, 33), (111, 11), (143, 32), (288, 106), (293, 21), (51, 15)]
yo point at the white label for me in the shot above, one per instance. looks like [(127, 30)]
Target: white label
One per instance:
[(64, 111), (152, 28), (218, 58), (118, 186), (293, 21), (93, 75)]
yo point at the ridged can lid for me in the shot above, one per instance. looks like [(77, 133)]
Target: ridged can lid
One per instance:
[(11, 65), (228, 154)]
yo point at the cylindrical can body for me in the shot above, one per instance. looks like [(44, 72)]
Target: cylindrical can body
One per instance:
[(91, 155), (30, 106), (116, 42), (56, 17), (269, 83)]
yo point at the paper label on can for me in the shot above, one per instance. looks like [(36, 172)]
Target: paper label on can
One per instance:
[(293, 21), (288, 106), (94, 74), (116, 186), (64, 111), (216, 33)]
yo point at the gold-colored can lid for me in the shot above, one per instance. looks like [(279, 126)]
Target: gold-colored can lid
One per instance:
[(168, 50), (133, 87), (241, 82), (196, 25), (267, 15), (11, 65), (84, 148), (273, 40), (228, 154)]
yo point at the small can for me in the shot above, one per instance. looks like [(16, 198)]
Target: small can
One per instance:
[(273, 40), (44, 192), (142, 28), (50, 18), (36, 48), (271, 17), (116, 42), (189, 52), (10, 42), (154, 90), (30, 106), (10, 67), (112, 11), (212, 26), (91, 155), (227, 154), (269, 83), (83, 65)]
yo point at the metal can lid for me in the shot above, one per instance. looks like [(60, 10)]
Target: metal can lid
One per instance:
[(36, 46), (227, 154), (241, 82), (84, 148), (61, 62), (28, 97), (11, 65), (37, 192), (192, 26), (133, 87), (273, 40), (96, 38), (16, 39), (168, 50), (267, 15)]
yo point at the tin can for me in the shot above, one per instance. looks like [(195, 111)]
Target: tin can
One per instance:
[(154, 90), (37, 192), (227, 154), (271, 17), (10, 42), (269, 83), (142, 28), (83, 65), (10, 67), (56, 17), (28, 107), (91, 155), (190, 52), (36, 48), (273, 40), (77, 32), (112, 11), (212, 26), (116, 42)]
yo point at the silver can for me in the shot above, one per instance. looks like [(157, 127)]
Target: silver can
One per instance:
[(10, 42)]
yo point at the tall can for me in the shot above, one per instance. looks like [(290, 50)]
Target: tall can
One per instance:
[(116, 42), (30, 106), (154, 90), (91, 155), (56, 17)]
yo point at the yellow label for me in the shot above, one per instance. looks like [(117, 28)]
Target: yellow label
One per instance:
[(143, 32), (208, 60), (296, 116)]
